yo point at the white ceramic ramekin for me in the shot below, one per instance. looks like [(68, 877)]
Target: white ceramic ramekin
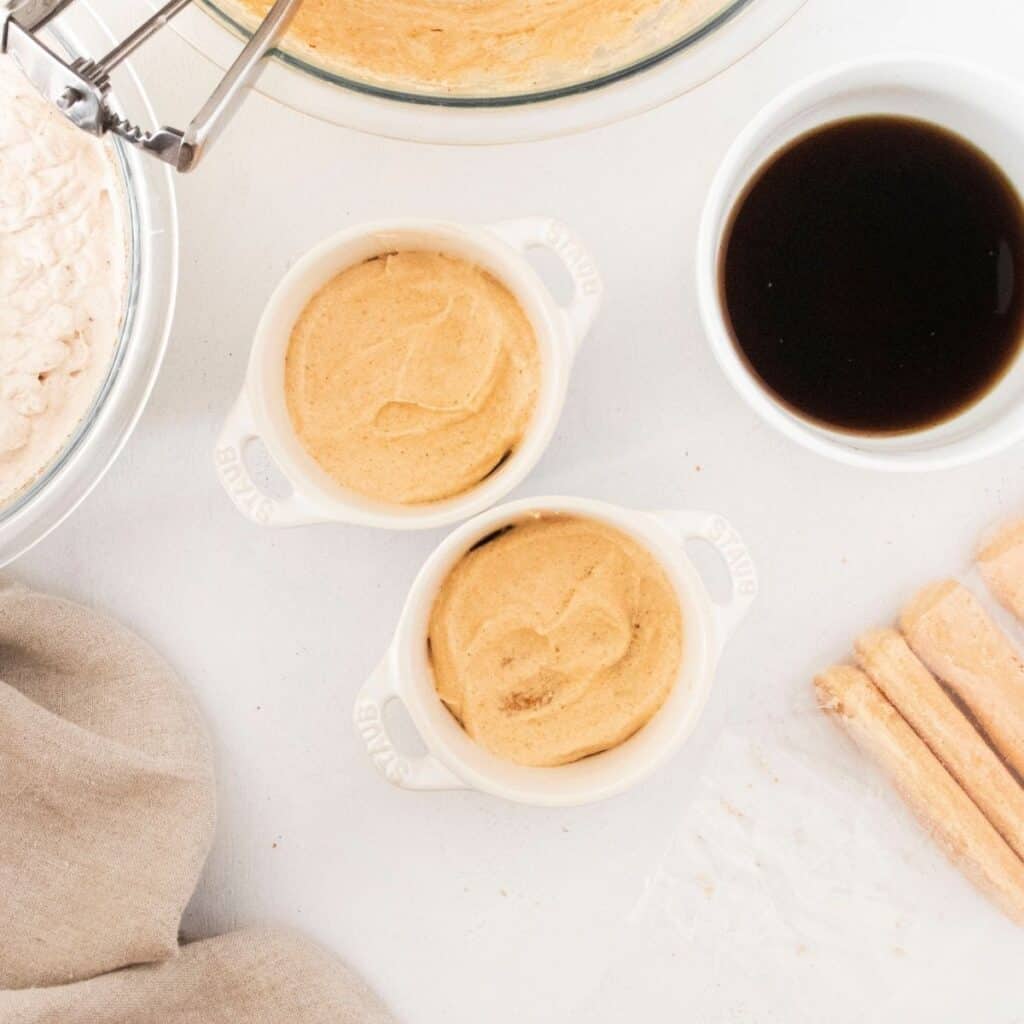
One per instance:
[(454, 761), (966, 100), (261, 411)]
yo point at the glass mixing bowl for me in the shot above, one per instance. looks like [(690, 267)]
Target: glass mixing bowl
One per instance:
[(152, 279), (657, 71)]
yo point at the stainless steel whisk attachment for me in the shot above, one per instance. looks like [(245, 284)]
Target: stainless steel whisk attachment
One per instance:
[(80, 88)]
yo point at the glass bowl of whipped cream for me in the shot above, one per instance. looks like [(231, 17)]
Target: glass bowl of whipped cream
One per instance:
[(88, 271), (486, 71)]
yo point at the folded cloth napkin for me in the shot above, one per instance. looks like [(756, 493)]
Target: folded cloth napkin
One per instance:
[(106, 816), (106, 794), (256, 976)]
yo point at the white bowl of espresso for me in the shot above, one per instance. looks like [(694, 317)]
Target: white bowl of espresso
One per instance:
[(454, 760), (972, 109)]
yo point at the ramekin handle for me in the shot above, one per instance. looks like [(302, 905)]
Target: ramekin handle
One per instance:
[(424, 772), (718, 531), (560, 239), (257, 506)]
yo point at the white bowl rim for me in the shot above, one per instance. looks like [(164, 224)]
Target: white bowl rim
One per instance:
[(455, 761), (867, 71), (742, 33), (501, 247)]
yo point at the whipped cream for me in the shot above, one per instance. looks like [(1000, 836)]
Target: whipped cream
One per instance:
[(62, 277)]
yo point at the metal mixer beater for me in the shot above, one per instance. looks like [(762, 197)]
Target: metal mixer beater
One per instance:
[(80, 88)]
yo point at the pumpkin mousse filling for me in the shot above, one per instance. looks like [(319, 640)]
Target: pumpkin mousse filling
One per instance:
[(554, 640), (412, 377)]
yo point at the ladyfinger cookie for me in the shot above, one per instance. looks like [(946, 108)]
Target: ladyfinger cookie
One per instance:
[(948, 629), (915, 693), (1001, 563), (963, 833)]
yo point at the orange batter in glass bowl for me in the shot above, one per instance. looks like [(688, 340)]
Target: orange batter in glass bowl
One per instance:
[(482, 47)]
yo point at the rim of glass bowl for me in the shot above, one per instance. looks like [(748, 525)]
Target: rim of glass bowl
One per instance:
[(152, 240), (695, 35), (708, 49)]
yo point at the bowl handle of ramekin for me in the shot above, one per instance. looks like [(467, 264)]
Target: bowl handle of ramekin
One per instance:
[(406, 772), (237, 481), (719, 532), (560, 239)]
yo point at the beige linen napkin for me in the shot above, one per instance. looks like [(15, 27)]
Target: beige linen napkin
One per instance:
[(106, 816), (255, 976), (106, 794)]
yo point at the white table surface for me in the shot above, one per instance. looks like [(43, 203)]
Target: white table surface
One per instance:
[(459, 908)]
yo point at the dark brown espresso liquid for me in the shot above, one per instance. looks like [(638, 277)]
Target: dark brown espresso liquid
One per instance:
[(872, 274)]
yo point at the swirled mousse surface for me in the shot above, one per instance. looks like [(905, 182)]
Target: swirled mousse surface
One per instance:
[(556, 639), (409, 378), (62, 278), (482, 47)]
